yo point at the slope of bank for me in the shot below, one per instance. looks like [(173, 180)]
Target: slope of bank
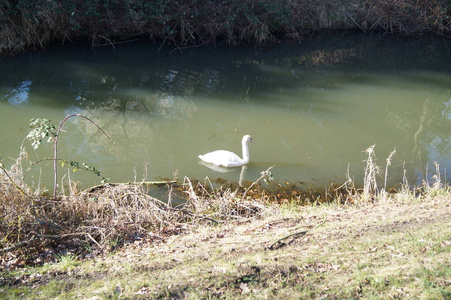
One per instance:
[(391, 249)]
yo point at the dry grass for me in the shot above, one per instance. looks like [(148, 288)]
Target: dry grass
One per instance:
[(371, 251), (222, 203), (103, 218), (356, 246)]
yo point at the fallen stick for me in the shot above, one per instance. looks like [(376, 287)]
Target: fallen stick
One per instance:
[(279, 244)]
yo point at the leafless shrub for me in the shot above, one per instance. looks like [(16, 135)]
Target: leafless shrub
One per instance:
[(370, 187), (118, 212), (220, 203)]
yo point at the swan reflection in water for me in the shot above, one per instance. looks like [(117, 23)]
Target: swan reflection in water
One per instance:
[(224, 161), (222, 169)]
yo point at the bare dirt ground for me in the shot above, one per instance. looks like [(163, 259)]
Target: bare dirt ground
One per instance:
[(385, 250)]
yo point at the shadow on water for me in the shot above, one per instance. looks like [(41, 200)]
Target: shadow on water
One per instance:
[(312, 108)]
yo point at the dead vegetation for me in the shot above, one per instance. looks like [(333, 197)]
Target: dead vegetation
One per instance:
[(98, 220), (387, 249), (35, 24), (37, 227), (225, 240)]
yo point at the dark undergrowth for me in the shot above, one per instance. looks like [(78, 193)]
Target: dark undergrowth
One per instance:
[(34, 24)]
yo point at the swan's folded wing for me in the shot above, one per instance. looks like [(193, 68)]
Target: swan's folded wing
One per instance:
[(222, 158)]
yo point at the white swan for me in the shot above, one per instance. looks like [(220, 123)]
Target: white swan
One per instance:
[(229, 159)]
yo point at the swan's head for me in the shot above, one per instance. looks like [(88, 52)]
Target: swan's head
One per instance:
[(248, 138)]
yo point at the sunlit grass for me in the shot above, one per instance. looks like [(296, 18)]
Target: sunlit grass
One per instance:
[(400, 262), (66, 261)]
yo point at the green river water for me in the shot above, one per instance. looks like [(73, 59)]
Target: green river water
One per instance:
[(312, 108)]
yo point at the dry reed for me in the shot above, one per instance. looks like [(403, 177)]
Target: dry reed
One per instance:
[(221, 203), (108, 216)]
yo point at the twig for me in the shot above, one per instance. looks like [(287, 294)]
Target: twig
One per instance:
[(158, 182), (60, 236), (52, 223), (51, 237), (264, 174), (388, 160), (52, 159), (351, 18), (55, 155), (108, 40), (12, 181), (18, 245), (92, 239), (279, 244), (197, 216), (33, 212)]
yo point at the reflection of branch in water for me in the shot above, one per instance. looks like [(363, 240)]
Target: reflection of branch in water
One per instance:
[(123, 126), (416, 150)]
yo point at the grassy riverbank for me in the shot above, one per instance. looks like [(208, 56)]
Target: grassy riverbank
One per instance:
[(119, 242), (35, 24), (391, 249)]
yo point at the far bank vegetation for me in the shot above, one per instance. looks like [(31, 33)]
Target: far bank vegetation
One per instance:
[(35, 24)]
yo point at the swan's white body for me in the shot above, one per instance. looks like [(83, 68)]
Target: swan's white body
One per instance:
[(229, 159)]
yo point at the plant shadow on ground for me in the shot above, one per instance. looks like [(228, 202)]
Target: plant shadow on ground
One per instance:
[(390, 249)]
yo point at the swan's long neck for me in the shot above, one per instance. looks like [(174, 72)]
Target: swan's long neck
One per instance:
[(245, 145)]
